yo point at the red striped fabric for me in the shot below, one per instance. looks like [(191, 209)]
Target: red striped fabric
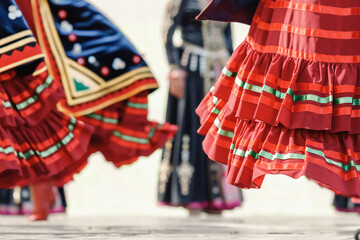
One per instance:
[(288, 101), (123, 133), (51, 150)]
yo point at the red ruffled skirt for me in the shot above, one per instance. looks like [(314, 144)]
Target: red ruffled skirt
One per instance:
[(123, 133), (37, 143), (288, 101)]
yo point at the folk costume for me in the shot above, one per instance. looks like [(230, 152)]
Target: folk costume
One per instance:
[(37, 142), (187, 177), (105, 79), (288, 99)]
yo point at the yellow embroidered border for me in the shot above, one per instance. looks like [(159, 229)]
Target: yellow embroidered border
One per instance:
[(17, 44), (15, 36), (41, 70), (65, 64), (19, 39), (108, 103), (21, 62)]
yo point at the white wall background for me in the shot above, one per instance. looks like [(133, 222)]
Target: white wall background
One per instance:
[(131, 190)]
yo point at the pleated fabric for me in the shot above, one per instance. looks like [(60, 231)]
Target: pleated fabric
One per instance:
[(37, 142), (106, 81), (288, 100)]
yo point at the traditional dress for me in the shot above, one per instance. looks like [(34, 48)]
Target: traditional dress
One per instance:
[(37, 142), (187, 177), (288, 100), (105, 79)]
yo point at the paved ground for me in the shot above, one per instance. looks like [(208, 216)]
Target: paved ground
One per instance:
[(304, 228)]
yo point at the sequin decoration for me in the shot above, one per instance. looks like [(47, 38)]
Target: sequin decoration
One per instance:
[(72, 37), (77, 49), (62, 14), (93, 61), (66, 27), (118, 64), (14, 12), (136, 59), (81, 61), (105, 71)]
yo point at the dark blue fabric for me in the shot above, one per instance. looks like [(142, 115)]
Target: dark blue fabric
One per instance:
[(230, 11), (98, 37), (8, 26)]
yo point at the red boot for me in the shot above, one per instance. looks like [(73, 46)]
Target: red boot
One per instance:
[(43, 198)]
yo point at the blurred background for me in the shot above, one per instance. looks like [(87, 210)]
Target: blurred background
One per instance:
[(131, 190)]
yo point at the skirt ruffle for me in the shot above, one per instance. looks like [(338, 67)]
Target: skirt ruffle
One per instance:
[(123, 133), (293, 92), (27, 99), (270, 114), (37, 142), (51, 150)]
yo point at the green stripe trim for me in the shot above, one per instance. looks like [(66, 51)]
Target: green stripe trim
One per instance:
[(309, 97), (344, 100), (242, 153), (153, 130), (137, 105), (215, 111), (274, 92), (281, 156), (228, 73), (221, 131), (49, 151), (39, 89), (215, 100), (356, 102), (297, 98), (130, 138), (289, 156), (346, 167), (102, 118), (6, 104), (63, 141)]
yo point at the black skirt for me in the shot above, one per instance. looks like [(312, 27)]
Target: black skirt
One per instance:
[(187, 177)]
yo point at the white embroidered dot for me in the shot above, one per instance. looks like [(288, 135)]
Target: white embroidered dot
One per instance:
[(92, 60), (12, 8), (18, 13), (77, 49), (66, 26), (118, 64), (12, 16), (14, 12)]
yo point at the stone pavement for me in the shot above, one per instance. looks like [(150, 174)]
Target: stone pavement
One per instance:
[(162, 228)]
